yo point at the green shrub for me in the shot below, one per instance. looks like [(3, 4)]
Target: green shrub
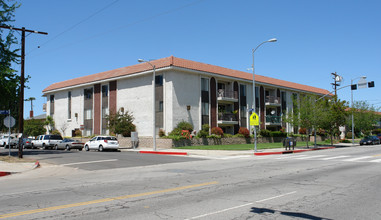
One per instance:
[(349, 135), (55, 132), (204, 132), (78, 133), (161, 133), (175, 132), (278, 134), (345, 141), (244, 131), (265, 133), (183, 125), (217, 131), (228, 135)]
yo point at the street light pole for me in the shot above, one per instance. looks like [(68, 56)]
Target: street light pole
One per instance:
[(253, 103), (353, 124), (153, 102)]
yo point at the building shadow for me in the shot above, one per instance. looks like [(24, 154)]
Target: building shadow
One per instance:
[(290, 214)]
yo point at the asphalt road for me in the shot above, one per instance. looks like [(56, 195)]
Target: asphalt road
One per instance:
[(94, 160), (330, 184)]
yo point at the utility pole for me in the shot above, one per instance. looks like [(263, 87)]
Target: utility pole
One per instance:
[(337, 79), (22, 79)]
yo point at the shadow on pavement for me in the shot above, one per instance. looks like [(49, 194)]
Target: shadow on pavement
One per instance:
[(290, 214)]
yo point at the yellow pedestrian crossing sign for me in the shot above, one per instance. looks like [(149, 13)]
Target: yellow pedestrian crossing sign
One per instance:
[(254, 119)]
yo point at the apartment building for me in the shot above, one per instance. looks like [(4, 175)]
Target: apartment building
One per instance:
[(185, 91)]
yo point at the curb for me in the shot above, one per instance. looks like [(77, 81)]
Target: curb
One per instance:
[(5, 173), (162, 152), (291, 151)]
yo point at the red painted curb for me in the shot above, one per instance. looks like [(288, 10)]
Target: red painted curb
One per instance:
[(4, 173), (162, 152), (291, 151), (266, 153)]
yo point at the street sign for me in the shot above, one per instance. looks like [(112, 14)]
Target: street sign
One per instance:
[(9, 121), (4, 112), (362, 84), (254, 119), (82, 127)]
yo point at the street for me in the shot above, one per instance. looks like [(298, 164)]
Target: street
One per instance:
[(340, 183)]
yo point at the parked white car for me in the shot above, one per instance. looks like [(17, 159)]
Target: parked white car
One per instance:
[(101, 143), (46, 141), (4, 141)]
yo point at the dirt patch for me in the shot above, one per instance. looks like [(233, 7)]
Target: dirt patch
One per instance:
[(10, 159)]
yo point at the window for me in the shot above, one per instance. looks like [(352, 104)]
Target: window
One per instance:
[(204, 101), (88, 93), (161, 106), (159, 80), (105, 91), (69, 105), (242, 90), (104, 112), (88, 114), (51, 105), (204, 84)]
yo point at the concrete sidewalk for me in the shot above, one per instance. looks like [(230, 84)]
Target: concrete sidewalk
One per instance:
[(12, 168), (260, 152)]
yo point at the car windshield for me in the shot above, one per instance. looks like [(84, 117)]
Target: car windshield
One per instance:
[(109, 138), (54, 137)]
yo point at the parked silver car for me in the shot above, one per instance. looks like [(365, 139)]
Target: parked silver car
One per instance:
[(101, 143), (68, 144)]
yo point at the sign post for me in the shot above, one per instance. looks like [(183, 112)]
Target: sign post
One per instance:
[(9, 122), (254, 121)]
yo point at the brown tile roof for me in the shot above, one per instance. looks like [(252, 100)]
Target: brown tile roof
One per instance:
[(182, 63)]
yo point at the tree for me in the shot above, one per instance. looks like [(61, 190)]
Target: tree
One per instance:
[(364, 115), (305, 115), (9, 80), (34, 127), (121, 123), (332, 116), (50, 123)]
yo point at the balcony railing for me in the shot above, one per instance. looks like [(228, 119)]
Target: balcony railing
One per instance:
[(222, 93), (272, 100), (273, 119), (227, 117)]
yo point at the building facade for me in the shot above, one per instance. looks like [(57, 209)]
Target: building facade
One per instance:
[(185, 91)]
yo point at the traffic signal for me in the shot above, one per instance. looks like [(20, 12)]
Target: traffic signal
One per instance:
[(370, 84), (354, 87)]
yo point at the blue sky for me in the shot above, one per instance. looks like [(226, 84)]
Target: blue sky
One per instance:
[(315, 38)]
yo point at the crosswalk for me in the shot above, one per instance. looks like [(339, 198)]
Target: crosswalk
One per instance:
[(344, 158)]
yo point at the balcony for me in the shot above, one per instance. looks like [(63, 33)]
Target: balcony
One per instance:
[(273, 120), (227, 96), (272, 101), (227, 119)]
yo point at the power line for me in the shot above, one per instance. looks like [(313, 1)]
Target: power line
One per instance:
[(124, 26), (75, 25)]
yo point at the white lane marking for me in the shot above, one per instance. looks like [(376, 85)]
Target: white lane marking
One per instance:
[(310, 157), (358, 158), (375, 161), (332, 158), (263, 200), (223, 210), (286, 156), (240, 206), (96, 161), (235, 157)]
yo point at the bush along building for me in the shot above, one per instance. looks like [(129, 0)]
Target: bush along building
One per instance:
[(185, 90)]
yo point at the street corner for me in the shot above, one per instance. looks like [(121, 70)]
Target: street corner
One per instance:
[(8, 168), (164, 152), (291, 151)]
